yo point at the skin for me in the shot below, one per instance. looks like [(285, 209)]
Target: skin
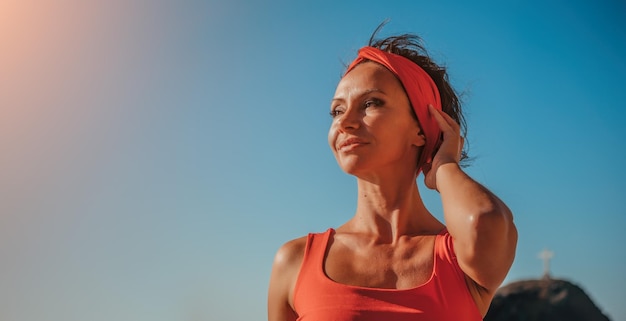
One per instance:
[(375, 138)]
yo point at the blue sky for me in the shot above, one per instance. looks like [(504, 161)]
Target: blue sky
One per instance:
[(156, 154)]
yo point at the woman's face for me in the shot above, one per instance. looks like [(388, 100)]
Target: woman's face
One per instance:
[(373, 127)]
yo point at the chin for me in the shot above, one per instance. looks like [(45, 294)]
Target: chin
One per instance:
[(353, 167)]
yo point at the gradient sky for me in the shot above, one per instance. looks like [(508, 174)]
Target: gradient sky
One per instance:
[(154, 155)]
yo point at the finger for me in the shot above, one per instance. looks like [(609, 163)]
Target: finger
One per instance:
[(443, 116), (450, 120), (439, 118)]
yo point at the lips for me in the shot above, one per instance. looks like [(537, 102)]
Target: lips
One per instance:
[(350, 143)]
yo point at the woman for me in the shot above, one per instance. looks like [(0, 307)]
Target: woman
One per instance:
[(394, 114)]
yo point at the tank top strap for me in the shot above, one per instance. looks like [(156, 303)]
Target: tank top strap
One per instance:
[(311, 270), (316, 246), (446, 257), (444, 247)]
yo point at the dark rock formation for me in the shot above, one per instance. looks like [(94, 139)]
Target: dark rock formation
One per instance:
[(543, 300)]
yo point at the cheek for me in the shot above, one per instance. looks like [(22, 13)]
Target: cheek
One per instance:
[(332, 136)]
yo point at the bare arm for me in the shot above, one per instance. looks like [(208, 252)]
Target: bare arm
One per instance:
[(481, 225), (282, 281)]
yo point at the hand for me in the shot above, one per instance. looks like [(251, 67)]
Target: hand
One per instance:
[(450, 149)]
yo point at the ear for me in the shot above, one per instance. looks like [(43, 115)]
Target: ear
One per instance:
[(419, 139)]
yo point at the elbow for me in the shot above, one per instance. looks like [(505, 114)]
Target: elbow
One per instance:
[(493, 247), (493, 222), (490, 208)]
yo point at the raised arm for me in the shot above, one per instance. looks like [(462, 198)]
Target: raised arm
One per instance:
[(480, 224)]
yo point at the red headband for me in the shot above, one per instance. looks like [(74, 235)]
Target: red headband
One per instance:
[(420, 88)]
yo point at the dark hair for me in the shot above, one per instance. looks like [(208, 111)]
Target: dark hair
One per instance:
[(410, 46)]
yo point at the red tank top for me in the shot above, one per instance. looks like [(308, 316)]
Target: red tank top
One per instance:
[(444, 297)]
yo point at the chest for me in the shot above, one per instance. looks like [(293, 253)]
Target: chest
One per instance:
[(404, 265)]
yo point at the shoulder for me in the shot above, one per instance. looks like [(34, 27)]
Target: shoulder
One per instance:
[(285, 269), (290, 254)]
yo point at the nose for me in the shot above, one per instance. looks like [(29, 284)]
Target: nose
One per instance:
[(349, 120)]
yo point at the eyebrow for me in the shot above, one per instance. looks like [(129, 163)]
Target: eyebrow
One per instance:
[(364, 93)]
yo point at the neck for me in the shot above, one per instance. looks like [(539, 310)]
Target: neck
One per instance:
[(391, 208)]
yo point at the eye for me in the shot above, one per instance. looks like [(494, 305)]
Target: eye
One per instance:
[(335, 112), (374, 102)]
